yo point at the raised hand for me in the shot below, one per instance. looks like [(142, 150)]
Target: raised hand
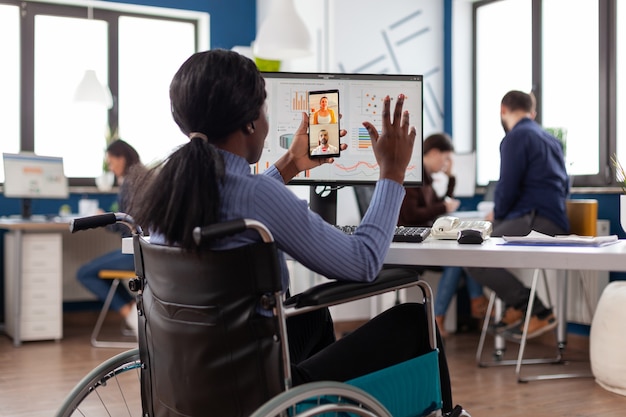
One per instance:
[(394, 145)]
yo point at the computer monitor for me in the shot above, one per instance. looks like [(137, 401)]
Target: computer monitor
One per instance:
[(465, 173), (29, 176), (360, 99), (490, 191)]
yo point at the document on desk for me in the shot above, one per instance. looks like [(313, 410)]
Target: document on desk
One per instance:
[(540, 239)]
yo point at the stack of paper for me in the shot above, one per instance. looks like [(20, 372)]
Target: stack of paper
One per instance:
[(536, 238)]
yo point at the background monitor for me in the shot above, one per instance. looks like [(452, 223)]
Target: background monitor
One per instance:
[(464, 168), (28, 176), (360, 99), (490, 191)]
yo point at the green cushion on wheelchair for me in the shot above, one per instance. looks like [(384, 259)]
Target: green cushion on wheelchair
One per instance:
[(408, 389)]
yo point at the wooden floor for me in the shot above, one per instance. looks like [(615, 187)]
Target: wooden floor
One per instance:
[(35, 377)]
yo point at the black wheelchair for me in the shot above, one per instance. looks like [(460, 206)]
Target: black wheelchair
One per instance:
[(204, 349)]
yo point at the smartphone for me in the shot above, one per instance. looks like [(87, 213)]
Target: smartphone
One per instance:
[(323, 123)]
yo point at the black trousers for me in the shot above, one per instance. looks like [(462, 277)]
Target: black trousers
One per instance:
[(506, 285), (394, 336)]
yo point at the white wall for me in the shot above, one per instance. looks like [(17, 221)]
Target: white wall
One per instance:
[(404, 37)]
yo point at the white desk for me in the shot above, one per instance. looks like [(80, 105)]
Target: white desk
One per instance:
[(50, 258), (74, 249), (493, 254)]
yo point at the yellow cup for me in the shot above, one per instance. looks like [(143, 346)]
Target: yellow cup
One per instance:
[(583, 216)]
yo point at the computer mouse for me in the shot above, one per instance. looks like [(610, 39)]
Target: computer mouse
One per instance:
[(470, 236)]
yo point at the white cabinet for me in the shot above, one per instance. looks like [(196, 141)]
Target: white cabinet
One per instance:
[(41, 286)]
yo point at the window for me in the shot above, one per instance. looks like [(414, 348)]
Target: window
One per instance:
[(75, 131), (503, 63), (150, 62), (570, 84), (132, 49), (620, 28), (9, 80), (564, 54)]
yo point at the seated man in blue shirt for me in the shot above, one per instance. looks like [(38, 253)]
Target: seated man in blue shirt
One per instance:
[(530, 195)]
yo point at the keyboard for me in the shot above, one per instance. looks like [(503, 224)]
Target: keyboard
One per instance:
[(412, 234)]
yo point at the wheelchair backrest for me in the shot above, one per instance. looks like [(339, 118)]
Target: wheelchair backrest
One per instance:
[(205, 348)]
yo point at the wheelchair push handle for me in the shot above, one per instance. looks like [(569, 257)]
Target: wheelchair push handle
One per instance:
[(219, 230), (101, 220)]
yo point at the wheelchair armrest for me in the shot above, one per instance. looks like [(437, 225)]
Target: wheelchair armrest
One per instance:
[(337, 292)]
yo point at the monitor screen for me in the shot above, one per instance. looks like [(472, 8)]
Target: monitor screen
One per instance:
[(360, 98), (27, 175)]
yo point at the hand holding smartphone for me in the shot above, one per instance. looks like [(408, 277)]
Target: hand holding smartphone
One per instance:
[(324, 123)]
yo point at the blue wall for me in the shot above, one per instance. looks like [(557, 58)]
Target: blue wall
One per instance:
[(232, 22), (608, 208), (50, 207)]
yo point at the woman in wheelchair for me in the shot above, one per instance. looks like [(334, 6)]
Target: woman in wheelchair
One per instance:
[(218, 101)]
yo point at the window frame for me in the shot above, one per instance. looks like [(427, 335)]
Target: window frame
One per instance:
[(100, 11), (607, 85)]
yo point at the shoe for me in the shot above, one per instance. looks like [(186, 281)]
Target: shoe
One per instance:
[(478, 307), (440, 321), (132, 319), (457, 411), (536, 327), (512, 318)]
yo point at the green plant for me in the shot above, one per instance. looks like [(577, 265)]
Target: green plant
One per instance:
[(560, 133), (620, 174)]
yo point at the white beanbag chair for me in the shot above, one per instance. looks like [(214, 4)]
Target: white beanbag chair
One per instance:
[(607, 339)]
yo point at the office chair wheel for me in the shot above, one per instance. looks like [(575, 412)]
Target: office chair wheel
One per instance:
[(110, 389), (498, 354), (319, 398)]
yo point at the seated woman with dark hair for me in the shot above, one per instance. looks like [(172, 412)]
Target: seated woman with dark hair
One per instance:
[(218, 101), (122, 159)]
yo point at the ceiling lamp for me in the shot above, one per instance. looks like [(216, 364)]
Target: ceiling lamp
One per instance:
[(283, 34), (92, 91)]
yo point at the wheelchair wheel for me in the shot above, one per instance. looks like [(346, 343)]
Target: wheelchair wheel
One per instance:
[(319, 398), (110, 389)]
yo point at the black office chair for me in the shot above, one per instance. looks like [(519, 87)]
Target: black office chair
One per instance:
[(363, 194), (209, 346)]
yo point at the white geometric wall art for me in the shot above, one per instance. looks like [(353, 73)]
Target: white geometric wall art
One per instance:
[(392, 37)]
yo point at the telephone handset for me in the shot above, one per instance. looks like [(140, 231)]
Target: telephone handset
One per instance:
[(448, 227)]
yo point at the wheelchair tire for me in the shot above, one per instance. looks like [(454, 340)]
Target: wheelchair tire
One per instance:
[(109, 387), (318, 398)]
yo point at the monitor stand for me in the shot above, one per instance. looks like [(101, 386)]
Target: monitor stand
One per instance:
[(27, 208), (325, 202)]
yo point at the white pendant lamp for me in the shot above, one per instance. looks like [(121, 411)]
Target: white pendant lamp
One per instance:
[(283, 34), (91, 90)]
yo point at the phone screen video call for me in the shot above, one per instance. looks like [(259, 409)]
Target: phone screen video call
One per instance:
[(324, 123)]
